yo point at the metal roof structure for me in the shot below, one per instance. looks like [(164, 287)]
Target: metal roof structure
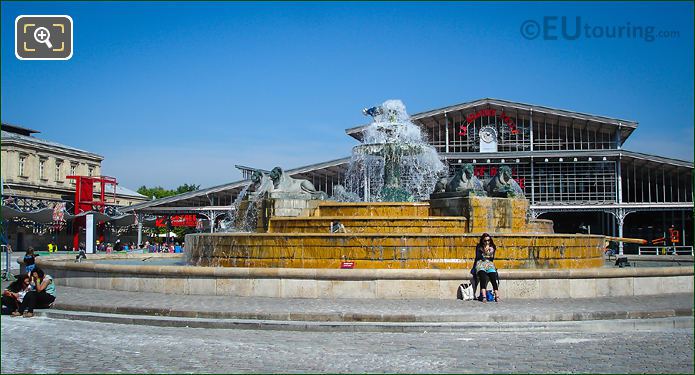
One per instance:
[(437, 117), (192, 200), (510, 156)]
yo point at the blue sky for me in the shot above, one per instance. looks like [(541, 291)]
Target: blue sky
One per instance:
[(173, 93)]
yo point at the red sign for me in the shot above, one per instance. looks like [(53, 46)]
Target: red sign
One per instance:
[(347, 265), (463, 129), (675, 235), (177, 221), (484, 171)]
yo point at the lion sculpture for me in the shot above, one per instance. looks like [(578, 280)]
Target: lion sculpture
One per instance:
[(286, 184), (503, 185), (464, 181)]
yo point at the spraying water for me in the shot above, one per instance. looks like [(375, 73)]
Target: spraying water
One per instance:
[(244, 217), (394, 163)]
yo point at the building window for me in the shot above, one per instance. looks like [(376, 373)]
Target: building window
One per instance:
[(42, 169), (73, 172), (22, 161), (57, 176), (90, 172)]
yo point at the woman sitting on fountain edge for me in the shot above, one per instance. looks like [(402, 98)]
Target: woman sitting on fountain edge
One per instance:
[(483, 267)]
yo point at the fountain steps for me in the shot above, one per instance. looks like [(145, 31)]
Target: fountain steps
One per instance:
[(369, 224), (382, 209), (393, 250)]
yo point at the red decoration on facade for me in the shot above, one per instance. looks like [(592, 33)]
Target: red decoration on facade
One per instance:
[(178, 221), (675, 235), (479, 171), (463, 129)]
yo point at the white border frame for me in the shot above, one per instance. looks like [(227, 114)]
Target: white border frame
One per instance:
[(72, 35)]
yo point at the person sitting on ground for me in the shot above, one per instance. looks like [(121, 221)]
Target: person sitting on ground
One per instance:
[(13, 295), (82, 254), (29, 260), (484, 268), (43, 295)]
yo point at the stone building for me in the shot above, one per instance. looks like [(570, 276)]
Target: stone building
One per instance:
[(34, 176)]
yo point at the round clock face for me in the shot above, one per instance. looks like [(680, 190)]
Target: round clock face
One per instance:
[(487, 135)]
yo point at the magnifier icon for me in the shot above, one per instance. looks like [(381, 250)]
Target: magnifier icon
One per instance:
[(42, 35)]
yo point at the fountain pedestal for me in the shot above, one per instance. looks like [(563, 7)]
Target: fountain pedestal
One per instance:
[(291, 204), (283, 204), (483, 214)]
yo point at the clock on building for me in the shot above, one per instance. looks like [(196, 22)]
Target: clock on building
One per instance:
[(488, 139)]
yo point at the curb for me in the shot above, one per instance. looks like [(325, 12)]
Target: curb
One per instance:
[(610, 325), (338, 317)]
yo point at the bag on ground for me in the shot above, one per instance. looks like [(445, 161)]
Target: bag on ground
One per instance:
[(465, 292), (490, 296)]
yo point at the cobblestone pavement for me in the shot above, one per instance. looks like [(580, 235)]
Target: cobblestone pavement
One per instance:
[(89, 347), (70, 298)]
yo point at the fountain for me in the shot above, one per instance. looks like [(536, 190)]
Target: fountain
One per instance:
[(394, 163), (397, 212), (406, 228)]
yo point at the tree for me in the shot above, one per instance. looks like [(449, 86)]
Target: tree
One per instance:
[(159, 192), (185, 188)]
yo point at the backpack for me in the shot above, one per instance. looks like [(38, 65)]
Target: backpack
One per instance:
[(465, 292)]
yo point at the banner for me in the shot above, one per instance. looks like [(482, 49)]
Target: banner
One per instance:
[(177, 221)]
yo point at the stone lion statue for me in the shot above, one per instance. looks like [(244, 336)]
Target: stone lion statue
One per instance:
[(286, 184), (261, 182), (440, 186), (503, 185), (256, 177), (466, 182)]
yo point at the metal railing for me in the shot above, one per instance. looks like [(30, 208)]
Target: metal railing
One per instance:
[(6, 268), (665, 250)]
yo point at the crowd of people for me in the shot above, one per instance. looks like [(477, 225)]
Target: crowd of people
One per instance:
[(109, 247), (166, 247)]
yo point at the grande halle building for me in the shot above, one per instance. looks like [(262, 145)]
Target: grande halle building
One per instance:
[(571, 166)]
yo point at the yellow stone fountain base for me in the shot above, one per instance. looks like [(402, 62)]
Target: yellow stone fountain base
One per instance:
[(395, 236)]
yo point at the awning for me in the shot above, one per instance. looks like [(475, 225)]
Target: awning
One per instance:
[(45, 216)]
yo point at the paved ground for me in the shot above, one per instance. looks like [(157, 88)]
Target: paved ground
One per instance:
[(512, 310), (84, 347), (97, 347)]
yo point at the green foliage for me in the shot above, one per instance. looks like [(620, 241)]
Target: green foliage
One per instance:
[(160, 192), (185, 188)]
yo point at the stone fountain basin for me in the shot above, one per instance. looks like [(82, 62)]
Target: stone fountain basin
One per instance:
[(359, 283)]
